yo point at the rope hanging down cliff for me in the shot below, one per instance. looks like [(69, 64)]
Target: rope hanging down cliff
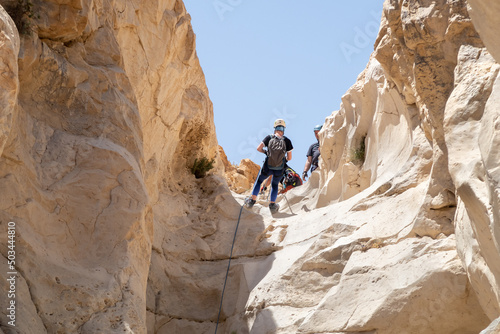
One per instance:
[(227, 272)]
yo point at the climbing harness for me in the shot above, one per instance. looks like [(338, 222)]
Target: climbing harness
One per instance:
[(227, 272)]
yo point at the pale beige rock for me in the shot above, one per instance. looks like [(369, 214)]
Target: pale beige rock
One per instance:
[(24, 314), (240, 178), (372, 112), (493, 328), (486, 18), (9, 85), (475, 129), (111, 113), (339, 272), (116, 235), (427, 38), (370, 295), (403, 191), (228, 167), (479, 247), (472, 140)]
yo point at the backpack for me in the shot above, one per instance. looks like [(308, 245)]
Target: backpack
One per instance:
[(276, 150), (290, 180)]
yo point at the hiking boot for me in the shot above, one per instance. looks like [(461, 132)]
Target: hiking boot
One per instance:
[(249, 202), (274, 207)]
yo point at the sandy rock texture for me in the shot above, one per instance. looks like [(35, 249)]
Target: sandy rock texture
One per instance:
[(9, 84), (400, 234), (477, 179), (485, 15), (240, 178), (104, 111), (472, 122)]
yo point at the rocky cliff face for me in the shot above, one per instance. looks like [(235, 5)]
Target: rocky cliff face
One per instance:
[(402, 241), (104, 111), (478, 180), (240, 178)]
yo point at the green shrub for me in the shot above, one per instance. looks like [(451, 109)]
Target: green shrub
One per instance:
[(358, 154), (201, 167), (21, 12)]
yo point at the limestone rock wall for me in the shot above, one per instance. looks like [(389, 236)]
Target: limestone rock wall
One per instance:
[(240, 178), (471, 121), (473, 109), (424, 113), (104, 109), (484, 14)]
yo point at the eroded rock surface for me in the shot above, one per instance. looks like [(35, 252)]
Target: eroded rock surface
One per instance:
[(105, 108), (240, 178), (104, 111), (420, 114)]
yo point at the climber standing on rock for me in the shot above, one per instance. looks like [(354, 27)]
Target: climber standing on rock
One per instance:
[(278, 150), (312, 154)]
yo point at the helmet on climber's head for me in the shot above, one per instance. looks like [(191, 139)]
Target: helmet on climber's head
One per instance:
[(317, 129), (279, 125)]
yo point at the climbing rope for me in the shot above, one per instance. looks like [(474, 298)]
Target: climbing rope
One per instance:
[(284, 195), (227, 272)]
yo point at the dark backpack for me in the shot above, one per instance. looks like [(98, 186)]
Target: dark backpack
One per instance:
[(276, 150)]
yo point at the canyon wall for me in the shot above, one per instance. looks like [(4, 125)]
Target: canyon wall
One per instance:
[(240, 178), (403, 240), (478, 180), (104, 112)]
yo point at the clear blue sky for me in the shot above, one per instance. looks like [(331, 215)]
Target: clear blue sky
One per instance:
[(287, 59)]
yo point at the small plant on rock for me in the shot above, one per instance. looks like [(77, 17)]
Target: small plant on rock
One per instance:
[(358, 154), (21, 12), (201, 167)]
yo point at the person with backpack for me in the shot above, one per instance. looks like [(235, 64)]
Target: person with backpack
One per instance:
[(278, 149), (312, 154)]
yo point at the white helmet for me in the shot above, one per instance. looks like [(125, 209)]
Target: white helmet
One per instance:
[(279, 122)]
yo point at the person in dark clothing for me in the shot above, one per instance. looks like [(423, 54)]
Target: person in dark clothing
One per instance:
[(279, 151), (313, 154)]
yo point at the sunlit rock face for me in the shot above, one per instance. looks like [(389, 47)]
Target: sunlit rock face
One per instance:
[(240, 178), (484, 14), (473, 121), (408, 168), (104, 109), (104, 112)]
